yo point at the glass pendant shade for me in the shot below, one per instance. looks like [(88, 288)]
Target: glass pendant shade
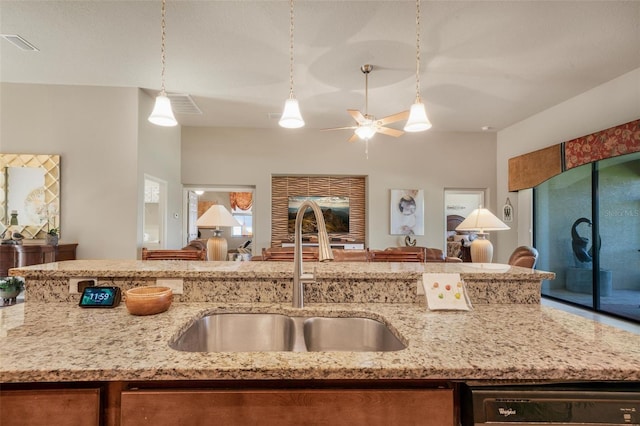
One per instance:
[(365, 132), (291, 117), (162, 114), (418, 121)]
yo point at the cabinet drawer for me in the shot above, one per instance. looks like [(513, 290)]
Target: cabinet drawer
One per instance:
[(59, 407), (281, 407)]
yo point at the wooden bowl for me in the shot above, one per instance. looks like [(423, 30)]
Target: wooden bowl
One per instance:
[(148, 300)]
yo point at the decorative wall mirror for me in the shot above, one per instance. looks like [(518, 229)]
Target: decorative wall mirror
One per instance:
[(30, 186)]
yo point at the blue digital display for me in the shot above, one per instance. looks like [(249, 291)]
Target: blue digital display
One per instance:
[(100, 297)]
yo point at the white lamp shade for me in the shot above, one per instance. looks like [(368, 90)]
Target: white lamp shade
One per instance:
[(482, 220), (216, 216), (418, 121), (291, 117), (162, 114), (365, 131)]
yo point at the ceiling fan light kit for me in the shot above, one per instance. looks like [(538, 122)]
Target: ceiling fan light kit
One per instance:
[(162, 114), (291, 117), (367, 125), (418, 121)]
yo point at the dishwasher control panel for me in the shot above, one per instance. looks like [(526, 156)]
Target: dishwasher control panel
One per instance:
[(529, 405)]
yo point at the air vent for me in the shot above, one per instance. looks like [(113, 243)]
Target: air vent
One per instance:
[(19, 42), (182, 103)]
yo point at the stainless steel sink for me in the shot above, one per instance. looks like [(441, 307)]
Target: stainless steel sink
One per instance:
[(349, 334), (254, 332), (238, 333)]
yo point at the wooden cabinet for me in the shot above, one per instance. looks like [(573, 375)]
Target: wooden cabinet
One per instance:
[(44, 407), (14, 256), (284, 407)]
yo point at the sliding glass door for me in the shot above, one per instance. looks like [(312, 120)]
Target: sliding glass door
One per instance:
[(588, 219)]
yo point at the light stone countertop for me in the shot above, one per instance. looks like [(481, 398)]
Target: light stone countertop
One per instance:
[(193, 269), (50, 340), (42, 342)]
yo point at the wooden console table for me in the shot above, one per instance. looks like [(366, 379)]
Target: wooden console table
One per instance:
[(14, 256)]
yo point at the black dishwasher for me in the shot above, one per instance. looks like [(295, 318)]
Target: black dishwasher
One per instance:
[(584, 403)]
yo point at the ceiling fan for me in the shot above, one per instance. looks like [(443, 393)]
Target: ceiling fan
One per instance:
[(367, 125)]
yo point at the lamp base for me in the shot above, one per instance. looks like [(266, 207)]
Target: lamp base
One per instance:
[(217, 247), (481, 249)]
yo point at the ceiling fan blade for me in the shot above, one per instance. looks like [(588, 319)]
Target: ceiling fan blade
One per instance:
[(340, 128), (354, 138), (357, 115), (389, 131), (393, 118)]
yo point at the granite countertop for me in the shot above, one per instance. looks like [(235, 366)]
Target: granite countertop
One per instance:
[(44, 342), (194, 269)]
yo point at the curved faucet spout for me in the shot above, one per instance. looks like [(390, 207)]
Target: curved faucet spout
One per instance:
[(324, 250)]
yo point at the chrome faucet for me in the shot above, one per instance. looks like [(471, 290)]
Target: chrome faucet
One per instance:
[(324, 250)]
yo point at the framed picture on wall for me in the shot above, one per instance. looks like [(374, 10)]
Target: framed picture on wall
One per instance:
[(407, 212)]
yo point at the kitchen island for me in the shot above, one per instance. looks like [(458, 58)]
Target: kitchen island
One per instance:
[(507, 336)]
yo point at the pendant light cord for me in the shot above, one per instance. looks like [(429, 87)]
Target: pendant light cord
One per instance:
[(291, 49), (163, 47), (417, 50)]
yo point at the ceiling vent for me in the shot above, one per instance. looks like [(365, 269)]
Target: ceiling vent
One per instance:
[(182, 103), (19, 42)]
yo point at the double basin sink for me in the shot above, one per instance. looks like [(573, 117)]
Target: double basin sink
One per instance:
[(258, 332)]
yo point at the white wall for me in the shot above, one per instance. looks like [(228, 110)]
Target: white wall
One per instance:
[(610, 104), (95, 130), (430, 161)]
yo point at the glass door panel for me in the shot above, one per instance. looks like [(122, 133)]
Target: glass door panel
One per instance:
[(563, 235), (619, 228)]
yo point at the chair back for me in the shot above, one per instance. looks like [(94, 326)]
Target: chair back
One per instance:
[(185, 254), (393, 255), (344, 255), (524, 256), (285, 254)]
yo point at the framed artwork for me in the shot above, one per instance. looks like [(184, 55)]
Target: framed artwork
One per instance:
[(407, 212)]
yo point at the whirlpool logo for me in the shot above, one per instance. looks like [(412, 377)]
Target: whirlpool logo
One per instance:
[(506, 412)]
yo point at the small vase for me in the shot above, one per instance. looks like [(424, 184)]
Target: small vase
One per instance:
[(9, 296), (52, 240)]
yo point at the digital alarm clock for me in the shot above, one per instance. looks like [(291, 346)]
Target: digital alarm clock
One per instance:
[(100, 297)]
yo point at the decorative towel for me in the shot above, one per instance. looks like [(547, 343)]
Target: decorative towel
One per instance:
[(445, 291)]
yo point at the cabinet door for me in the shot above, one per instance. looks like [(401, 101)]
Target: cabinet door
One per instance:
[(352, 407), (59, 407)]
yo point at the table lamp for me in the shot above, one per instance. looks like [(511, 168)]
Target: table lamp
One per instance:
[(215, 217), (481, 220)]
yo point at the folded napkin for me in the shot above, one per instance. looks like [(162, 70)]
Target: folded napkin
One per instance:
[(445, 291)]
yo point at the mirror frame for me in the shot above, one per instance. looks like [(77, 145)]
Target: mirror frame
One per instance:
[(51, 166)]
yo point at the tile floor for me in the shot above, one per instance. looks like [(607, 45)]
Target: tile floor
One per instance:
[(605, 319)]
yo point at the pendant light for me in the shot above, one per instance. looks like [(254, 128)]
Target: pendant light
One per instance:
[(291, 117), (162, 114), (417, 121)]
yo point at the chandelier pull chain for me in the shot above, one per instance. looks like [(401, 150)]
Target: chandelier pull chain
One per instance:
[(417, 50)]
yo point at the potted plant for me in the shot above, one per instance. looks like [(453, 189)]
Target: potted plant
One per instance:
[(52, 236), (10, 288)]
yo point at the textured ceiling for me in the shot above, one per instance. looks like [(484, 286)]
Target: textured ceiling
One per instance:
[(484, 63)]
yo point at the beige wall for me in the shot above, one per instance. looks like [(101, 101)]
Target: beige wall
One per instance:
[(610, 104), (96, 131), (430, 161)]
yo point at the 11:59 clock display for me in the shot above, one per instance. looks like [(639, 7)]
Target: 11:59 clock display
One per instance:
[(100, 297)]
